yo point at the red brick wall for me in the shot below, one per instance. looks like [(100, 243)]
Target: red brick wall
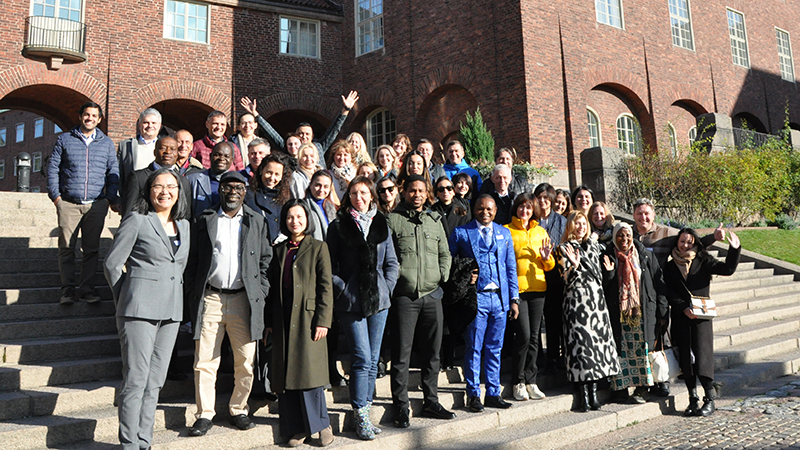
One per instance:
[(31, 145)]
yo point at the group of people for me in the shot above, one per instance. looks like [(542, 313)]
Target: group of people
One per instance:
[(292, 240)]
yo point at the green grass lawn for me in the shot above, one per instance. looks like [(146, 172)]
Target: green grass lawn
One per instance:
[(780, 244)]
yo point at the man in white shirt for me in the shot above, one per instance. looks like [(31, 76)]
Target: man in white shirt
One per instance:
[(137, 153)]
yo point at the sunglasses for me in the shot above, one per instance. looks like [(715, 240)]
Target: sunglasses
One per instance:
[(441, 189), (383, 190)]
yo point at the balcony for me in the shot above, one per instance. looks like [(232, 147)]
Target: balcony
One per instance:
[(55, 38)]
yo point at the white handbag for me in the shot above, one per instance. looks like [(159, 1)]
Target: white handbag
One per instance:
[(704, 307), (664, 364)]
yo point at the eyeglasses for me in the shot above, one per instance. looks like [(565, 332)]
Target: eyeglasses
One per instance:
[(383, 190), (441, 189), (162, 188), (227, 189)]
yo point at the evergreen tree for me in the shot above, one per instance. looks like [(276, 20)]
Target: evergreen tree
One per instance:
[(477, 139)]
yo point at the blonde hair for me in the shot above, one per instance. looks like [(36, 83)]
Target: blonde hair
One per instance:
[(569, 230), (369, 165), (361, 155), (389, 149), (338, 146)]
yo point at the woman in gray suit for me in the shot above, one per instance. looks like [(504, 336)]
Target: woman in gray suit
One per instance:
[(152, 244)]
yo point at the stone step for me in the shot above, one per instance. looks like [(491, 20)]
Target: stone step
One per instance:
[(42, 242), (69, 326), (19, 376), (25, 200), (744, 318), (752, 352), (751, 283), (754, 332), (46, 230), (41, 295), (29, 265), (756, 304), (30, 351), (28, 217), (757, 293), (744, 275), (45, 279), (54, 310)]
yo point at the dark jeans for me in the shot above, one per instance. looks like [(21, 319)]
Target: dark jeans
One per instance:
[(419, 319), (553, 311), (526, 343)]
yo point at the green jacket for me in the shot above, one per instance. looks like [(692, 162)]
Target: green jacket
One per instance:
[(421, 250)]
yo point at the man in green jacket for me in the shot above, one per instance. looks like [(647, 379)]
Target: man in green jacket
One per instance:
[(425, 259)]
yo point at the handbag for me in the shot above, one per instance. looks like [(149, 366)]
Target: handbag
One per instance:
[(664, 363), (704, 307)]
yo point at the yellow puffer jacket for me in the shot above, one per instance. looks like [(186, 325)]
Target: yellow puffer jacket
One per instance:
[(527, 247)]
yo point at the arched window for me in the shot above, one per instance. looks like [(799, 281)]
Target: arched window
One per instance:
[(594, 128), (673, 140), (380, 129), (629, 137), (692, 135)]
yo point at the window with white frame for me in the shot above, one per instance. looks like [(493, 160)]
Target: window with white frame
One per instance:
[(62, 9), (369, 26), (673, 140), (785, 55), (681, 24), (692, 135), (38, 128), (594, 128), (20, 132), (628, 135), (56, 129), (609, 12), (2, 168), (186, 21), (738, 35), (380, 128), (299, 37), (2, 137), (36, 162)]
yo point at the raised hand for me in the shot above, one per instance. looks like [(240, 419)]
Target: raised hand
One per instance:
[(249, 105), (733, 239), (719, 233), (350, 100), (608, 263), (546, 249), (573, 255)]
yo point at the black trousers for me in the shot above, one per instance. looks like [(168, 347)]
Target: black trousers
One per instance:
[(420, 320), (526, 342), (553, 311), (302, 411)]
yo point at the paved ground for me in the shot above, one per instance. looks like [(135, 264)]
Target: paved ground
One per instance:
[(765, 417)]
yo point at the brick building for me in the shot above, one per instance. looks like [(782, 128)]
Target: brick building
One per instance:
[(22, 131), (551, 78)]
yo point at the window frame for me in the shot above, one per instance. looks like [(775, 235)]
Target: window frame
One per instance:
[(165, 26), (590, 112), (790, 56), (38, 128), (36, 166), (82, 11), (369, 125), (2, 169), (17, 133), (318, 44), (688, 21), (57, 129), (372, 19), (636, 133), (673, 139), (4, 138), (731, 38), (692, 139), (621, 13)]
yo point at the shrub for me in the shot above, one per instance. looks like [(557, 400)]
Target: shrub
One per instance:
[(477, 139)]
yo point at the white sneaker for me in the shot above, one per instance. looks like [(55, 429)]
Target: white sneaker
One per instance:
[(520, 393), (534, 392)]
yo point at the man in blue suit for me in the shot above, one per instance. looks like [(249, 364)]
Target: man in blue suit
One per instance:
[(491, 246)]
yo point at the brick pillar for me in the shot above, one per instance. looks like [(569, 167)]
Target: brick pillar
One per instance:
[(599, 167)]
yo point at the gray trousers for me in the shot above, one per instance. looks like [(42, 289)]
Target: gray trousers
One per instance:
[(89, 220), (146, 350)]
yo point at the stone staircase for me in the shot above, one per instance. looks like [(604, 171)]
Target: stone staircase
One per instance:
[(61, 364)]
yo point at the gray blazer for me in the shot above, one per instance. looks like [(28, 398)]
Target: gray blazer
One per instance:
[(152, 286), (201, 192)]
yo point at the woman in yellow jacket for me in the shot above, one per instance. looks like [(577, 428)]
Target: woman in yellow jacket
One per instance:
[(533, 251)]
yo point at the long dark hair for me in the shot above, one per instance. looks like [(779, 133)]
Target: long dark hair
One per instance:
[(292, 202), (283, 186), (403, 176), (701, 249), (458, 209), (464, 176), (180, 210)]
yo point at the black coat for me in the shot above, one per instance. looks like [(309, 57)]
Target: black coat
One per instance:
[(460, 300), (266, 202), (364, 271), (451, 219), (652, 294), (133, 189)]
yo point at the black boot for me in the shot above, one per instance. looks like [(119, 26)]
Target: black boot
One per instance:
[(593, 403), (708, 407), (692, 409), (582, 394)]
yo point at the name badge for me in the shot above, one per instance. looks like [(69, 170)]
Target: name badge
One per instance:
[(500, 237)]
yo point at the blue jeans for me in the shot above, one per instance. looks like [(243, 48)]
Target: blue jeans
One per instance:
[(364, 336), (484, 337)]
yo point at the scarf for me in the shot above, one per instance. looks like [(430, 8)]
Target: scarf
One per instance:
[(344, 175), (684, 259), (363, 220)]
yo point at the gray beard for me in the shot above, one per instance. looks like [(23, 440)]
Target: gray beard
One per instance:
[(227, 207)]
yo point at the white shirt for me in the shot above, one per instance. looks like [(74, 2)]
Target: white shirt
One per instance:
[(226, 269), (142, 152), (88, 140)]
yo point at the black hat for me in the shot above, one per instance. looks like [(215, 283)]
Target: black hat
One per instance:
[(232, 176)]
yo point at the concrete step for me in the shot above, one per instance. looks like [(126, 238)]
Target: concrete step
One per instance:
[(41, 242), (19, 376), (754, 332), (39, 295), (744, 318), (756, 304), (752, 352), (70, 326), (30, 351), (45, 279), (29, 265), (25, 200), (28, 217), (744, 275), (750, 283), (760, 292), (54, 310), (50, 229), (18, 254)]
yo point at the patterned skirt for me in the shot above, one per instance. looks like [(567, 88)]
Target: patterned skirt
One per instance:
[(634, 363)]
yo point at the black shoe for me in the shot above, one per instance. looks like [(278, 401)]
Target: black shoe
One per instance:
[(708, 407), (437, 411), (594, 405), (90, 296), (401, 419), (381, 370), (492, 401), (660, 390), (200, 427), (68, 296), (581, 397), (338, 381), (242, 422), (692, 409), (474, 404)]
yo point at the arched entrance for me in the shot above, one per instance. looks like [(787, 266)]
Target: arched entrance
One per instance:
[(286, 122), (55, 103), (443, 111), (185, 114)]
